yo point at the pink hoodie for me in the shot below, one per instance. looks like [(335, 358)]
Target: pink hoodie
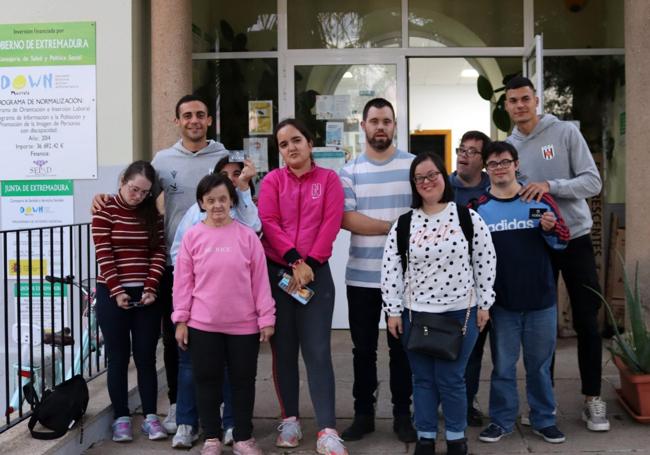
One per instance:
[(301, 216), (221, 283)]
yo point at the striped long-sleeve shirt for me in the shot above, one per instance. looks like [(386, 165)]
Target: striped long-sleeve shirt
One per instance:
[(122, 248)]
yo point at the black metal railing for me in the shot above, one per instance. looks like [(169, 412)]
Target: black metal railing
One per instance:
[(49, 330)]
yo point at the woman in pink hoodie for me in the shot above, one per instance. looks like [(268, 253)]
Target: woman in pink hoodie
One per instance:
[(301, 208), (223, 309)]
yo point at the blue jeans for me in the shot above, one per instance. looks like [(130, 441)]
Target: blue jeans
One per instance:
[(438, 381), (186, 411), (536, 332)]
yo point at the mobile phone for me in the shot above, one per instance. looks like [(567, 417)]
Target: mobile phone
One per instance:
[(536, 213), (303, 295), (135, 303), (236, 156)]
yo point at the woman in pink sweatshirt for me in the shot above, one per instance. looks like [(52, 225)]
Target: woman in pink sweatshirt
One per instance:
[(223, 309), (301, 208)]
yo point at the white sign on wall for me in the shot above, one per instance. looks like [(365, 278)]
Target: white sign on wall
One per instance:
[(47, 101)]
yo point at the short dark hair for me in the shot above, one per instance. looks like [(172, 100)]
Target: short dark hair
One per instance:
[(519, 82), (211, 181), (377, 103), (477, 136), (189, 99), (226, 160), (447, 194), (498, 147), (297, 124)]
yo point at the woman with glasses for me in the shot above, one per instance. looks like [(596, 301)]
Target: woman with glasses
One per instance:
[(130, 251), (442, 277)]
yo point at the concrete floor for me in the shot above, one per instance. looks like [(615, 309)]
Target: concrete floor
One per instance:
[(626, 436)]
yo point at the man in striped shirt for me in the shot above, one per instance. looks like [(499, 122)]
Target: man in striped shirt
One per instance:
[(377, 192)]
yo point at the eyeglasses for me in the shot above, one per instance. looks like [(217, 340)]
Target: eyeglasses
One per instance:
[(505, 164), (470, 152), (431, 176), (135, 190)]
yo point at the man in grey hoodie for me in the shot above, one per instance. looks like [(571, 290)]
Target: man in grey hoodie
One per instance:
[(554, 158), (179, 169)]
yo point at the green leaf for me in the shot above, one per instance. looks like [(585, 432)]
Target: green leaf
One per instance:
[(484, 88), (227, 31), (501, 119), (507, 78), (501, 101)]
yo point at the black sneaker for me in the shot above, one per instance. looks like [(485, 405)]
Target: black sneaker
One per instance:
[(457, 447), (403, 426), (551, 434), (474, 417), (425, 446), (361, 425), (493, 433)]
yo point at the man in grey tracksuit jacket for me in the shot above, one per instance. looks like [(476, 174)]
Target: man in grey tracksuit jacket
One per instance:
[(554, 158)]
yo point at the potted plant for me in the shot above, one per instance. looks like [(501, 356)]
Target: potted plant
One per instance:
[(631, 352)]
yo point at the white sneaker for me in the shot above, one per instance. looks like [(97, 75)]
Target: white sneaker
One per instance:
[(185, 437), (169, 423), (330, 443), (228, 438), (594, 413), (290, 433)]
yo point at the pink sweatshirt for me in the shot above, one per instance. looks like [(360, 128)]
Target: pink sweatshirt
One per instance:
[(221, 282), (301, 216)]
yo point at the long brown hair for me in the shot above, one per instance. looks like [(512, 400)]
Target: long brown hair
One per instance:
[(146, 210)]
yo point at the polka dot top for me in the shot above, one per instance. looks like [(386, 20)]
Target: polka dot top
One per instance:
[(440, 276)]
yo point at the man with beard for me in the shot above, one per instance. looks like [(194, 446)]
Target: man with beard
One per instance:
[(377, 192), (470, 182)]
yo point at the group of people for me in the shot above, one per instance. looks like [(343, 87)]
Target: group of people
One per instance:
[(222, 272)]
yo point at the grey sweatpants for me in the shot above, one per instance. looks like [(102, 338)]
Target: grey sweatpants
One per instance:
[(306, 328)]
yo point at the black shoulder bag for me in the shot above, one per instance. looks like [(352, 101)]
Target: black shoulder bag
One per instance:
[(434, 334), (59, 409)]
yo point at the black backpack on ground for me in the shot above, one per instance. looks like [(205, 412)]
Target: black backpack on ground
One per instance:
[(404, 232), (60, 409)]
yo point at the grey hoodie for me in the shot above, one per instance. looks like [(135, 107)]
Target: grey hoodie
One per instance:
[(556, 152), (179, 171)]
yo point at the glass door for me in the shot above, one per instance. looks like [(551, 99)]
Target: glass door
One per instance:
[(533, 68)]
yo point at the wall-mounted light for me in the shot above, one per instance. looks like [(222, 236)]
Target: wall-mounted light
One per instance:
[(469, 73)]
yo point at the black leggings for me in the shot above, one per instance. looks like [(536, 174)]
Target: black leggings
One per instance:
[(578, 268), (210, 352), (135, 329), (307, 329), (170, 347)]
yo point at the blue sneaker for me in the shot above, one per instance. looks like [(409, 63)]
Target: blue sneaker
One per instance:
[(493, 433), (153, 428), (551, 434), (122, 431)]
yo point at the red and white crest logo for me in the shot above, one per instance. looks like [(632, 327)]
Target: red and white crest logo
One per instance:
[(316, 190), (548, 152)]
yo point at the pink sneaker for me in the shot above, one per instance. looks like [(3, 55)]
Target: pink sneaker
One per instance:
[(329, 443), (248, 447), (290, 433), (211, 447)]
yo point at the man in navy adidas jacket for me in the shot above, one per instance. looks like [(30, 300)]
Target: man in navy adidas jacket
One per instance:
[(525, 310)]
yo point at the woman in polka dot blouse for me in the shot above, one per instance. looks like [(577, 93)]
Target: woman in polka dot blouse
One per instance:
[(440, 278)]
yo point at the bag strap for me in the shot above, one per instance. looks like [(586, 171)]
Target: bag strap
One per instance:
[(467, 226), (403, 235), (40, 434)]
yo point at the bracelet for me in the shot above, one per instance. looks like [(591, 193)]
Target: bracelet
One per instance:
[(296, 263)]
